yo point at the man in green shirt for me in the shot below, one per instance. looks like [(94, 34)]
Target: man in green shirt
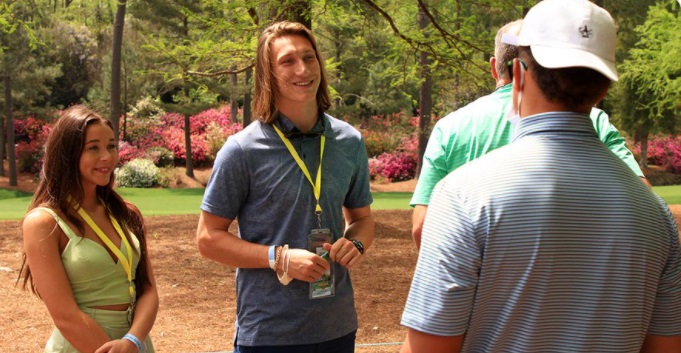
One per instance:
[(485, 125)]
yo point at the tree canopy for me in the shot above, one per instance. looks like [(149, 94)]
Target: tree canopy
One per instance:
[(186, 52)]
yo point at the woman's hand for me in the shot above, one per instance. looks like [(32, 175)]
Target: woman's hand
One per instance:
[(118, 346)]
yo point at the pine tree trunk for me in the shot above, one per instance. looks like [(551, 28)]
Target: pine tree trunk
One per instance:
[(11, 156), (640, 135), (233, 102), (644, 151), (2, 145), (119, 23), (425, 95), (188, 147), (247, 98)]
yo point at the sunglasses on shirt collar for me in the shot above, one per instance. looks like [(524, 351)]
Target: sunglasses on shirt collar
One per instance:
[(296, 133)]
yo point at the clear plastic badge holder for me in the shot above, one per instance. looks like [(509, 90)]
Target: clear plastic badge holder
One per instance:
[(325, 286)]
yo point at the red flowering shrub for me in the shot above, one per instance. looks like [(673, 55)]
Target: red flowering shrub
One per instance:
[(387, 133), (663, 151), (31, 135), (173, 139), (397, 166), (410, 144), (127, 152), (392, 144), (392, 138), (375, 167), (208, 131), (674, 165), (138, 129), (28, 128), (378, 142)]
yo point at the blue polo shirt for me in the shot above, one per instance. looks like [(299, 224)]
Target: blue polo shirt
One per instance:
[(256, 181)]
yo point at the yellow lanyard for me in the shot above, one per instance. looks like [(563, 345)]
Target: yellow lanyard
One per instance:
[(127, 263), (317, 187)]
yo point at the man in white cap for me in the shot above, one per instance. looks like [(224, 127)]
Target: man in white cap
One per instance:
[(549, 244), (483, 126)]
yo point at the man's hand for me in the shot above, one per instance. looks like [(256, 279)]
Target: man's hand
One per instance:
[(304, 265), (344, 252)]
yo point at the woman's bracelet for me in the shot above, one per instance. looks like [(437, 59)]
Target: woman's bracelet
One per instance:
[(130, 337)]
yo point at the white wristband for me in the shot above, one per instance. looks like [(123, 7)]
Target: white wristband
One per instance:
[(130, 337), (270, 257)]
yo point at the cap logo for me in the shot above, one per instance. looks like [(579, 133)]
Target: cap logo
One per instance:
[(585, 31)]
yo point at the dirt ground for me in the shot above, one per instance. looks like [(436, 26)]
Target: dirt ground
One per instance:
[(197, 296)]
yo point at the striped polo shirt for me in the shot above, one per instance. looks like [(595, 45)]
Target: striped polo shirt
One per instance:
[(550, 244)]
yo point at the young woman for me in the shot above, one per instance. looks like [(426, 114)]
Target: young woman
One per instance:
[(84, 246)]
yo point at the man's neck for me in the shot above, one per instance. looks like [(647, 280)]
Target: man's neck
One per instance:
[(303, 118), (502, 82)]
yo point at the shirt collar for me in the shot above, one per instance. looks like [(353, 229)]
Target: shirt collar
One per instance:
[(563, 122), (291, 131), (505, 88)]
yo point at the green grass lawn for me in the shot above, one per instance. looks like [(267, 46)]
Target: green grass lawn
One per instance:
[(670, 193), (155, 202)]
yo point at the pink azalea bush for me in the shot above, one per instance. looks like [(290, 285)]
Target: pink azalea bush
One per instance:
[(127, 152), (385, 133), (392, 145), (375, 167), (663, 151), (397, 166), (391, 141), (207, 130), (30, 136), (158, 139)]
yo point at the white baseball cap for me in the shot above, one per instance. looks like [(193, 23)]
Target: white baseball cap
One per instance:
[(569, 33)]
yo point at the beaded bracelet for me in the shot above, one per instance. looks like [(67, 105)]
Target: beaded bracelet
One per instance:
[(284, 278), (277, 257), (130, 337)]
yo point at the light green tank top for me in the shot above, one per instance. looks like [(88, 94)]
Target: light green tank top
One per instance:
[(95, 278)]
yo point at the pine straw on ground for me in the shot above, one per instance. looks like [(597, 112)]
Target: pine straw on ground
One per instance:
[(197, 296)]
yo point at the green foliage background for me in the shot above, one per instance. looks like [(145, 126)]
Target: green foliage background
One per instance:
[(187, 56)]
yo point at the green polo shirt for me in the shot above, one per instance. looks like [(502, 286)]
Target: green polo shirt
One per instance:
[(481, 127)]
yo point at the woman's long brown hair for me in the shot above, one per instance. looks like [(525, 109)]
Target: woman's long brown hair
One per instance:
[(60, 179)]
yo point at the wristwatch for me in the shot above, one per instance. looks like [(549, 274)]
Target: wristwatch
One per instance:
[(359, 246)]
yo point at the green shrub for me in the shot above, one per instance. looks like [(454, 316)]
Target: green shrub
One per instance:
[(161, 156), (167, 176), (138, 173), (215, 138)]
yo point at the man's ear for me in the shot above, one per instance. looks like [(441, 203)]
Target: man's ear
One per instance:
[(493, 64), (601, 96), (517, 75), (517, 85)]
